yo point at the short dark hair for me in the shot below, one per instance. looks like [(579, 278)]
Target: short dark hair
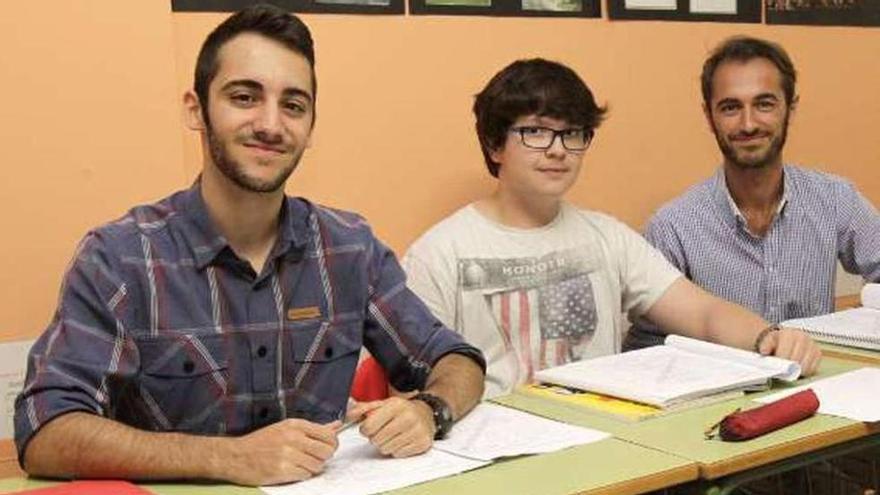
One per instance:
[(743, 49), (531, 87), (267, 20)]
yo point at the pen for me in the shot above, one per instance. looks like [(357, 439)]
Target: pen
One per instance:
[(349, 424), (352, 422)]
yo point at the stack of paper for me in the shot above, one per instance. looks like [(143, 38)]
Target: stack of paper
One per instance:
[(490, 431), (858, 327), (665, 376)]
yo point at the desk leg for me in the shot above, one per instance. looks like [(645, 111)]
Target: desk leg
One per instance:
[(727, 484)]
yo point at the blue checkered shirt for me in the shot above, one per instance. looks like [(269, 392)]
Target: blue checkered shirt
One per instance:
[(788, 273), (161, 326)]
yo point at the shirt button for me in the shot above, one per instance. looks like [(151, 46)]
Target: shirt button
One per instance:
[(328, 352), (264, 413), (188, 366), (261, 351)]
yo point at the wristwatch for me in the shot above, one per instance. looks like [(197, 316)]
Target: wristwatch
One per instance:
[(763, 335), (441, 412)]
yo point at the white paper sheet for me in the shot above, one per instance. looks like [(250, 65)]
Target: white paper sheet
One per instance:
[(713, 6), (781, 369), (870, 296), (856, 327), (854, 395), (358, 468), (650, 4), (491, 431), (13, 361)]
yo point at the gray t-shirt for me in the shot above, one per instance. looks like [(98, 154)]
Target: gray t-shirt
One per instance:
[(536, 298)]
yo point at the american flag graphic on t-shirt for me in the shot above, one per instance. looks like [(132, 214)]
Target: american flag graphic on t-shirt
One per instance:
[(544, 307)]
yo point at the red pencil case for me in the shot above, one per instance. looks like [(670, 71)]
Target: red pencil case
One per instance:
[(745, 425)]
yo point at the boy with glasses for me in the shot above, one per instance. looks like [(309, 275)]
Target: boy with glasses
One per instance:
[(535, 282)]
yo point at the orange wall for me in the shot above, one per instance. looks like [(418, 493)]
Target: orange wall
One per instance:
[(92, 121), (89, 126)]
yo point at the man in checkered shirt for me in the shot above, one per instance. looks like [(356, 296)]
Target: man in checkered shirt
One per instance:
[(762, 233), (215, 334)]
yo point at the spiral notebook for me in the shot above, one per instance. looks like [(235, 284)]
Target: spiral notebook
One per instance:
[(858, 327)]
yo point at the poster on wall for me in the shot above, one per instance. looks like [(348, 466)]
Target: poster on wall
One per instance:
[(508, 8), (13, 365), (306, 6), (686, 10), (824, 12)]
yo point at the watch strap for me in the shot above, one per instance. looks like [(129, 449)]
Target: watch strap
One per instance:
[(440, 412)]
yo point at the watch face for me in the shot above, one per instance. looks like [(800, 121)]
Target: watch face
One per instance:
[(446, 414), (442, 414)]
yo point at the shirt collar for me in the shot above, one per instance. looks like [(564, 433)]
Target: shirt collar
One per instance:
[(730, 211), (208, 243)]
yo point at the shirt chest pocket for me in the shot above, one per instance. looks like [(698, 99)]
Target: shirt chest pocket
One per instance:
[(183, 381), (325, 355)]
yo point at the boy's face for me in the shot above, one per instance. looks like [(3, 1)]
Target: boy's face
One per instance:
[(526, 171)]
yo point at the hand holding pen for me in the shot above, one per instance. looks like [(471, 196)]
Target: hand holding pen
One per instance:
[(397, 426)]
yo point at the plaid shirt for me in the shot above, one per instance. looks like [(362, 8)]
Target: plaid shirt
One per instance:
[(162, 327), (788, 273)]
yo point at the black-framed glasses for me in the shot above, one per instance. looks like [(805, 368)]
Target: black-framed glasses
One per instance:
[(541, 138)]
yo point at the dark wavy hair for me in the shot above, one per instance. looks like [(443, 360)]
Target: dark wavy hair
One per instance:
[(532, 87)]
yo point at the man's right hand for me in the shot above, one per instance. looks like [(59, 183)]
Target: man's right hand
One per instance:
[(284, 452)]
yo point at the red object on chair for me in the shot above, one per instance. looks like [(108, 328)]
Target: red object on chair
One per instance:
[(370, 382), (89, 487)]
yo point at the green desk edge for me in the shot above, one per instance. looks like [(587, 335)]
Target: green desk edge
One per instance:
[(642, 450), (602, 465)]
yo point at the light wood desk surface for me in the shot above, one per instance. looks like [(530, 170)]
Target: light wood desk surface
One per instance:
[(8, 460), (847, 302), (861, 356)]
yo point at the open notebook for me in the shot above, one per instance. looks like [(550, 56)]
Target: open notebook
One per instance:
[(666, 375), (858, 327)]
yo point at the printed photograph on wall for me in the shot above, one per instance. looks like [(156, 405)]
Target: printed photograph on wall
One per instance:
[(508, 8), (553, 5), (748, 11), (824, 12), (305, 6), (460, 3)]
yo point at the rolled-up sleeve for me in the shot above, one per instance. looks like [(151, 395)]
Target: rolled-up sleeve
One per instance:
[(84, 348), (858, 233), (401, 332)]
